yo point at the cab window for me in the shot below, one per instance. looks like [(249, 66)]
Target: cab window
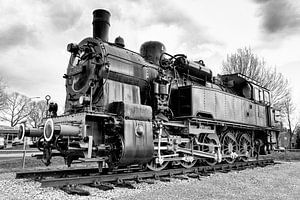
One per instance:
[(261, 98), (256, 94), (266, 97)]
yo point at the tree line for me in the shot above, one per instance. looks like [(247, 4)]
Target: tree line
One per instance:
[(16, 108)]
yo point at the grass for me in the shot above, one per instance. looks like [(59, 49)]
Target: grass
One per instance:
[(15, 164), (285, 156)]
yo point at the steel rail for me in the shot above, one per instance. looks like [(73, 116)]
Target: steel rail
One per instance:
[(55, 172), (138, 176), (59, 172)]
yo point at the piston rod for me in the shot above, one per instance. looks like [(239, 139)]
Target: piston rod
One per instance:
[(51, 129)]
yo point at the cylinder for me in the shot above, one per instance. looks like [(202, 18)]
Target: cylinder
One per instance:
[(67, 130), (101, 24)]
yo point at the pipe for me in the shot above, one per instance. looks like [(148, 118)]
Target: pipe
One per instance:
[(29, 132), (33, 132), (101, 24)]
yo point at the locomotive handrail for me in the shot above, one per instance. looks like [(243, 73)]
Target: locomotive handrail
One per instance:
[(220, 122), (174, 124)]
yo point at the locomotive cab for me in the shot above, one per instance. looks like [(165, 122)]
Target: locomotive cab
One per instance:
[(247, 87)]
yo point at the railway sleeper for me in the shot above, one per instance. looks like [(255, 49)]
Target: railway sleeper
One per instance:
[(204, 173), (148, 181), (225, 169), (74, 189), (181, 177), (194, 175), (165, 179), (102, 186), (240, 168), (125, 184)]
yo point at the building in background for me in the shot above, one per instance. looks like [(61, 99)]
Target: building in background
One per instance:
[(284, 139)]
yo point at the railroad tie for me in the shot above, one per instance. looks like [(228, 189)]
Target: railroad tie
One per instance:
[(194, 175), (74, 189), (102, 186)]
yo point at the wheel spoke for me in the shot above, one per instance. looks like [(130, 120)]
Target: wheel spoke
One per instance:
[(230, 146), (245, 146), (209, 139)]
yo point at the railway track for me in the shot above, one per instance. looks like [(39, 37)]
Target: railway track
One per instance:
[(90, 176)]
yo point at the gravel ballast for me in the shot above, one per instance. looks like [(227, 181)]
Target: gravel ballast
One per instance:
[(281, 181)]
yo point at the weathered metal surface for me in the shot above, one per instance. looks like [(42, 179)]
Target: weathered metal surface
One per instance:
[(117, 91), (56, 172), (220, 105), (101, 24), (138, 142), (114, 64), (131, 111)]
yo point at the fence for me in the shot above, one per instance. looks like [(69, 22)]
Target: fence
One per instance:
[(17, 153), (284, 150), (286, 154)]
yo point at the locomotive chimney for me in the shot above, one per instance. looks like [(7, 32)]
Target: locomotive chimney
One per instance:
[(101, 24)]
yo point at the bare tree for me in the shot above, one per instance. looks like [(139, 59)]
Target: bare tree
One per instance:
[(38, 112), (15, 109), (2, 93), (247, 63), (244, 62), (278, 85), (288, 109)]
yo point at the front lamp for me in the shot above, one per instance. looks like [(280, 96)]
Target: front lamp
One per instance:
[(84, 100)]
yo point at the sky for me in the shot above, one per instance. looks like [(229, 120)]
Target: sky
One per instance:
[(34, 35)]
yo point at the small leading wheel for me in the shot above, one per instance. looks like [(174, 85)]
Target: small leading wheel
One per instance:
[(40, 143), (210, 139), (229, 145), (152, 165), (245, 147)]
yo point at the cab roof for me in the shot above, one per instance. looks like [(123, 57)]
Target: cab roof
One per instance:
[(239, 78)]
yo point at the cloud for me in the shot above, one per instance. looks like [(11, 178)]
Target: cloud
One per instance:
[(192, 33), (261, 1), (167, 16), (15, 35), (63, 15), (279, 16)]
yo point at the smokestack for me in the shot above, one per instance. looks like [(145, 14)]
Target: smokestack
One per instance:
[(101, 24)]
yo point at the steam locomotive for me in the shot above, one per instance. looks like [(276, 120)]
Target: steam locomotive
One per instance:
[(152, 109)]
